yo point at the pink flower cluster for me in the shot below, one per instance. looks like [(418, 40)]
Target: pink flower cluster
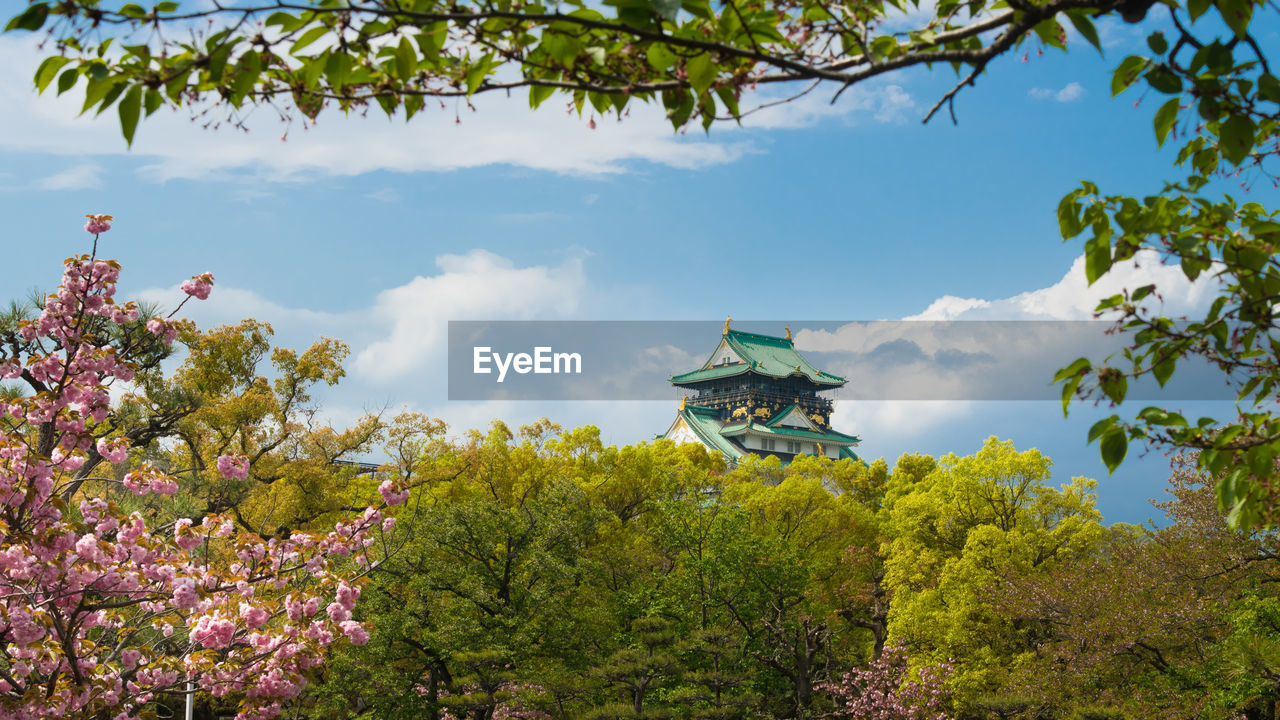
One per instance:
[(233, 467), (887, 690), (72, 584), (392, 494), (98, 224), (198, 286)]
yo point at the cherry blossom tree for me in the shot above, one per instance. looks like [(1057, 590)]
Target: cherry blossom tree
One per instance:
[(886, 690), (101, 611)]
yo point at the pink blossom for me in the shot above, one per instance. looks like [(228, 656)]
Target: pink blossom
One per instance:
[(338, 613), (198, 286), (98, 224), (213, 632), (390, 495), (114, 451), (355, 632), (233, 467)]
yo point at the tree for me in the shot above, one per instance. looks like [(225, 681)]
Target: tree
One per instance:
[(1178, 621), (967, 524), (102, 611)]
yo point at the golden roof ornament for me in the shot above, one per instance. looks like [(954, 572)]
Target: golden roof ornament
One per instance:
[(788, 329), (726, 324), (684, 400)]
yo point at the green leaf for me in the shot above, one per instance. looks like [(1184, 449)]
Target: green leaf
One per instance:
[(1164, 119), (1084, 26), (152, 101), (246, 76), (406, 59), (1097, 257), (1196, 8), (177, 85), (1236, 14), (97, 91), (307, 38), (67, 79), (1236, 137), (1075, 369), (477, 73), (1127, 73), (1114, 446), (1269, 88), (563, 48), (1157, 43), (1115, 386), (660, 56), (1163, 80), (287, 21), (31, 19), (666, 9), (431, 40), (412, 104), (1101, 427), (701, 72), (336, 70), (1162, 417), (130, 110), (48, 70), (538, 94), (1069, 223)]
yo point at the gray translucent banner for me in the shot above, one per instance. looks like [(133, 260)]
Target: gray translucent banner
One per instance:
[(881, 360)]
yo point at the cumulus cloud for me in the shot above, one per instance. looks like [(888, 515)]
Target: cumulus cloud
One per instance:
[(1006, 348), (899, 419), (1073, 298), (403, 331), (1070, 93), (477, 285)]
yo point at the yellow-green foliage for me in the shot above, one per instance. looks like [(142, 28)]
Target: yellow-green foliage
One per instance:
[(960, 530)]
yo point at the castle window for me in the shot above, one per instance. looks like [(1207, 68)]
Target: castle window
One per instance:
[(766, 444)]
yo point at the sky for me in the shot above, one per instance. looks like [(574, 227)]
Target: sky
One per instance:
[(379, 232)]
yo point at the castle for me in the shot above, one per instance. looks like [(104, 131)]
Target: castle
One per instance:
[(757, 395)]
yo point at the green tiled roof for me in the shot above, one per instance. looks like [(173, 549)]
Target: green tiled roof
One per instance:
[(706, 426), (764, 355), (829, 436)]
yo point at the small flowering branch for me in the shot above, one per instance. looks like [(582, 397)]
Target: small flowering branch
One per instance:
[(99, 613)]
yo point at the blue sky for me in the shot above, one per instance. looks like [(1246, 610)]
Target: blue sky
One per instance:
[(378, 232)]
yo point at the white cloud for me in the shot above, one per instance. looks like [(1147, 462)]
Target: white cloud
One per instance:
[(1072, 298), (403, 332), (895, 104), (992, 354), (80, 177), (478, 285), (227, 305), (1070, 93), (444, 137), (898, 419)]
